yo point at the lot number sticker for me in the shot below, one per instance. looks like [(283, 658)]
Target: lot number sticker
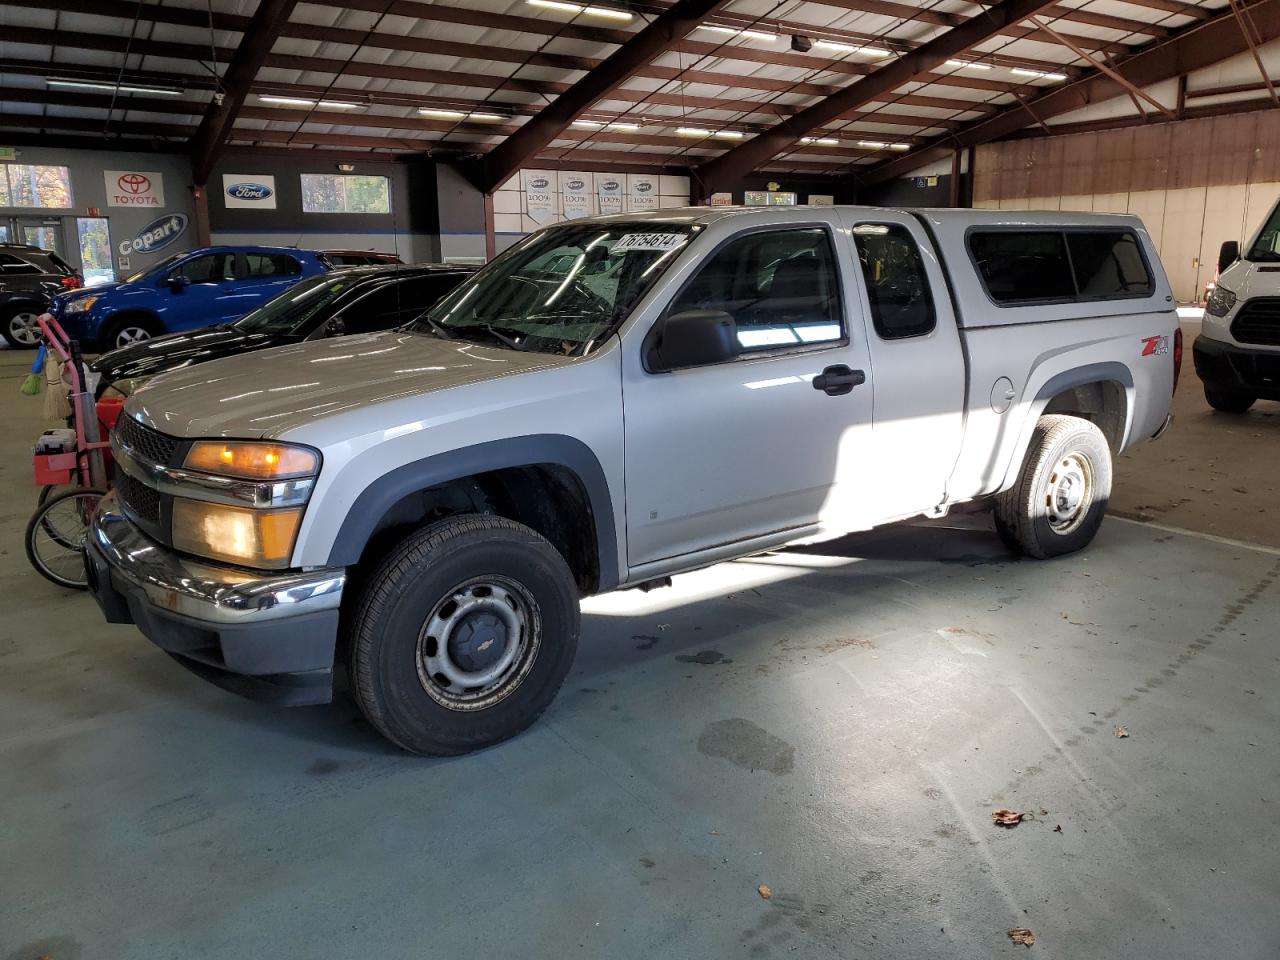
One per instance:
[(649, 241)]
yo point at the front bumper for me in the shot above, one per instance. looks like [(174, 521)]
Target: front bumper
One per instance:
[(1227, 366), (269, 637)]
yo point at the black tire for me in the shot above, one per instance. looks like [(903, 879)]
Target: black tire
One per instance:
[(1068, 457), (1228, 401), (122, 331), (17, 326), (56, 533), (409, 597)]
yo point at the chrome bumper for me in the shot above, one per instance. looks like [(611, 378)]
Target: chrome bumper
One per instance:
[(203, 591)]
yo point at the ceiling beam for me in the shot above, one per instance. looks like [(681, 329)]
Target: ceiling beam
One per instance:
[(534, 136), (1195, 47), (909, 68), (259, 37)]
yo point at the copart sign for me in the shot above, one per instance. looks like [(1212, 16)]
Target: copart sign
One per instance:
[(134, 188), (156, 235)]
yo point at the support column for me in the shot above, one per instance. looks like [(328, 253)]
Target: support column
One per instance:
[(490, 236), (953, 200), (200, 200)]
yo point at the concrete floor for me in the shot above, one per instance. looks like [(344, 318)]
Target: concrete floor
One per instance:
[(836, 723)]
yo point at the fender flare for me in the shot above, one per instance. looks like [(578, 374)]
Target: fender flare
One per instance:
[(1075, 377), (372, 504)]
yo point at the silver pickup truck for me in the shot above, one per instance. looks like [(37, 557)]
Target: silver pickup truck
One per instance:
[(610, 402)]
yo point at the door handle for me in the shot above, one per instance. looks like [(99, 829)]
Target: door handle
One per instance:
[(838, 380)]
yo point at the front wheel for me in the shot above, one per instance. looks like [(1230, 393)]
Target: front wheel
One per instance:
[(463, 635), (1228, 401), (1058, 502)]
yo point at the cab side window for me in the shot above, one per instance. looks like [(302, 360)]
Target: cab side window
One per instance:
[(780, 286), (897, 286), (271, 265), (210, 268)]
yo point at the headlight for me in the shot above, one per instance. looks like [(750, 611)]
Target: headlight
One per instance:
[(252, 538), (80, 306), (252, 461), (1220, 301)]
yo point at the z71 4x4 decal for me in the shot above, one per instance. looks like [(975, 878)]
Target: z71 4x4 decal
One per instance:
[(1155, 346)]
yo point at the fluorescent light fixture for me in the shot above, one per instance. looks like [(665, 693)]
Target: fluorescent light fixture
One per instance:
[(437, 113), (304, 102), (112, 87), (820, 141), (899, 146), (560, 6), (733, 32), (872, 145), (1038, 74), (968, 64), (611, 125), (833, 46), (699, 132)]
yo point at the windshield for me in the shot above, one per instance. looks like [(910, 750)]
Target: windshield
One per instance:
[(156, 267), (562, 290), (1267, 247), (293, 310)]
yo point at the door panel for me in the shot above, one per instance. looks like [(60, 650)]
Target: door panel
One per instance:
[(210, 298), (920, 370), (744, 449)]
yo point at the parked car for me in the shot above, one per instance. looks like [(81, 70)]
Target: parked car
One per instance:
[(194, 289), (1237, 354), (358, 258), (29, 279), (353, 300), (427, 506)]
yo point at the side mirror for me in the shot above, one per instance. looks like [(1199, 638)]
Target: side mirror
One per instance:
[(1228, 254), (180, 282), (335, 326), (693, 338)]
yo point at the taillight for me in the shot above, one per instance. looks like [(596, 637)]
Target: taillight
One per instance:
[(1177, 357), (72, 283)]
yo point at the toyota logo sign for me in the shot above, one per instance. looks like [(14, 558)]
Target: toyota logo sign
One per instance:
[(134, 183)]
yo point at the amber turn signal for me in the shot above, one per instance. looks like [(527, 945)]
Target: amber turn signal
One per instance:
[(252, 460)]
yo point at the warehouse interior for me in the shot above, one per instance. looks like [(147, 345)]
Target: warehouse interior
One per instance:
[(907, 741)]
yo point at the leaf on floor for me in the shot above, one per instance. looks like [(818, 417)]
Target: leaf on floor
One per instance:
[(764, 891), (1121, 731), (1058, 828), (1022, 935), (1006, 818)]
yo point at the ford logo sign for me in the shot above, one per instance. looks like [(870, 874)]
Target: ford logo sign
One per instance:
[(249, 191), (643, 187), (576, 184), (539, 183), (156, 235)]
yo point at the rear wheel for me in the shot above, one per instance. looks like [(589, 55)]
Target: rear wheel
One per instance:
[(1228, 401), (463, 635), (20, 328), (56, 536), (1061, 496), (126, 330)]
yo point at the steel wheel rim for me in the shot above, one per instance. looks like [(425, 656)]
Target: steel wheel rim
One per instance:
[(24, 329), (1070, 493), (478, 643), (128, 335), (58, 539)]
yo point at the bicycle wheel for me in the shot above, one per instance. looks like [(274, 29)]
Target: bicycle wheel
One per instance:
[(56, 535)]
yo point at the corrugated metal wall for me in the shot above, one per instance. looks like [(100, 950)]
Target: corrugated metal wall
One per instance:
[(1194, 183)]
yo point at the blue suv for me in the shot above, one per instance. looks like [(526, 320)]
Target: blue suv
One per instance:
[(198, 288)]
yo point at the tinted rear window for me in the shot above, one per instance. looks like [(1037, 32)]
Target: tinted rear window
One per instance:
[(1031, 266)]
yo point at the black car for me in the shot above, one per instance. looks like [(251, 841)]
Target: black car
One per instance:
[(351, 300), (29, 279), (358, 258)]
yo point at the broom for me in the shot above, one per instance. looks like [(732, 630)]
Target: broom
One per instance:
[(31, 385), (57, 406)]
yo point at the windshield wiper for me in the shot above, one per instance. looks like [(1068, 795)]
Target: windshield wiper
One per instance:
[(438, 329), (503, 338)]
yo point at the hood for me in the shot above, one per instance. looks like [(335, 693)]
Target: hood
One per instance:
[(149, 357), (1249, 278), (269, 393)]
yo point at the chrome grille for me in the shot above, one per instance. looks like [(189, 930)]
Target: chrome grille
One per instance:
[(139, 499), (1258, 322), (147, 443)]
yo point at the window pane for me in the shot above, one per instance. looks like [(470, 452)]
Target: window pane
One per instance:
[(1023, 266), (1108, 264), (37, 186), (272, 265), (780, 287), (4, 199), (11, 266), (897, 286), (95, 250), (335, 193), (323, 193), (368, 195), (208, 269)]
